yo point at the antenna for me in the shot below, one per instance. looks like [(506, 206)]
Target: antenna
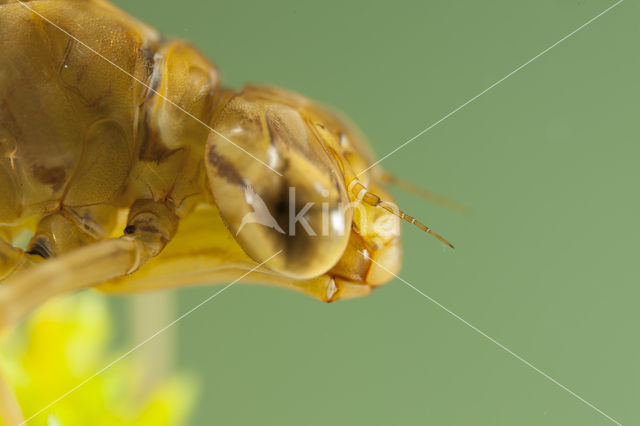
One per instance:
[(362, 193), (424, 193)]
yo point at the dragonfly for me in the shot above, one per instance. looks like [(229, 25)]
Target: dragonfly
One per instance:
[(127, 166)]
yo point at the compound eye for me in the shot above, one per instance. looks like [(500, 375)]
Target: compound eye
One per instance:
[(302, 211)]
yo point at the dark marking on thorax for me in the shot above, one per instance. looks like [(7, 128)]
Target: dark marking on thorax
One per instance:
[(53, 176)]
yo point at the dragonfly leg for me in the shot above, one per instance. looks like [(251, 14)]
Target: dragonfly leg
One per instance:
[(150, 227), (12, 259)]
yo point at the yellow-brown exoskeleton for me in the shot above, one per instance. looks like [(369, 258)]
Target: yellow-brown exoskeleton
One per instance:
[(134, 170)]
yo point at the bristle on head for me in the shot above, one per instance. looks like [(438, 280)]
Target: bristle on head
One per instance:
[(358, 190)]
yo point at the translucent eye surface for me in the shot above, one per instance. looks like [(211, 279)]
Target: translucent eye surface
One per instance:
[(297, 205)]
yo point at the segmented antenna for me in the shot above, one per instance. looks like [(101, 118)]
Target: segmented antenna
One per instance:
[(361, 193)]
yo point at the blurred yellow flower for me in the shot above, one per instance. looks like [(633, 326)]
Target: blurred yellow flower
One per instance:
[(66, 342)]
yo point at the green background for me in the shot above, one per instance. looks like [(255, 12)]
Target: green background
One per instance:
[(546, 262)]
